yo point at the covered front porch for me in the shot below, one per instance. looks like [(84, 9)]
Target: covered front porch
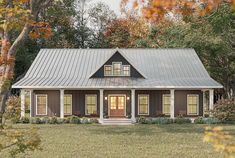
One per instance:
[(119, 104)]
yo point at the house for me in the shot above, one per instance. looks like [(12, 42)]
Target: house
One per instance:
[(117, 83)]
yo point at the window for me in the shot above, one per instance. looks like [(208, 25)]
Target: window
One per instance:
[(192, 104), (68, 104), (166, 104), (91, 104), (143, 104), (107, 70), (117, 67), (126, 70), (41, 103)]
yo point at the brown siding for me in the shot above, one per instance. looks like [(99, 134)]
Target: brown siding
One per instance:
[(155, 107), (181, 101), (79, 101), (155, 102), (78, 97), (53, 102), (128, 102)]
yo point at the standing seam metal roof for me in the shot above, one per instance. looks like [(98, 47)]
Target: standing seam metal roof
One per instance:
[(72, 68)]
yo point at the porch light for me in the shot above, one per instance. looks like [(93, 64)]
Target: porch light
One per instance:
[(128, 98), (105, 98)]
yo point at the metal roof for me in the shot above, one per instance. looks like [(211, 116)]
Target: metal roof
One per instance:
[(72, 69)]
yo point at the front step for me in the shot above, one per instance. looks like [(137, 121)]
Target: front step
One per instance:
[(117, 121)]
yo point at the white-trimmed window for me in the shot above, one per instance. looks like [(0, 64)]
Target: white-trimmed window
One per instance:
[(117, 68), (91, 104), (192, 104), (126, 70), (108, 70), (41, 104), (166, 104), (67, 104), (143, 104)]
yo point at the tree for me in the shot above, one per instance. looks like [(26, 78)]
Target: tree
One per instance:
[(100, 16), (155, 10), (212, 37), (21, 15)]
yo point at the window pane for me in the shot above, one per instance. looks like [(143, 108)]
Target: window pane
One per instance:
[(91, 104), (126, 70), (113, 102), (192, 104), (166, 104), (108, 70), (117, 68), (41, 105), (68, 104), (121, 102), (143, 104)]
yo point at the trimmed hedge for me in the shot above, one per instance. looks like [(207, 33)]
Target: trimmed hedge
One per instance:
[(158, 120), (209, 120), (57, 120)]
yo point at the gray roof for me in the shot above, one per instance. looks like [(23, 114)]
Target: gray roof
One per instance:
[(72, 69)]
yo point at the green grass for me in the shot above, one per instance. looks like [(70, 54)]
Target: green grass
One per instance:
[(155, 141)]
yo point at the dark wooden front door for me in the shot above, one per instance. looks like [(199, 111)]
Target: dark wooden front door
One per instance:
[(117, 106)]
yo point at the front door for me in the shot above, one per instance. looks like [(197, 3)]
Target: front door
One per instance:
[(117, 105)]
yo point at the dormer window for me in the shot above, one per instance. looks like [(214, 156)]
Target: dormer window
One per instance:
[(116, 69)]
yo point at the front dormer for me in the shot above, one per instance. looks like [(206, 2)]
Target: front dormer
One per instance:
[(117, 66)]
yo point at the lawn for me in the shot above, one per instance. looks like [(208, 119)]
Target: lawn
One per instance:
[(155, 141)]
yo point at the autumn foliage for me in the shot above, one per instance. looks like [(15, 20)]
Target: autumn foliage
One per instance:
[(155, 10), (221, 141)]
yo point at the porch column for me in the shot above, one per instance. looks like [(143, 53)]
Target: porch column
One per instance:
[(204, 101), (61, 103), (31, 102), (211, 101), (22, 99), (172, 108), (101, 105), (133, 105)]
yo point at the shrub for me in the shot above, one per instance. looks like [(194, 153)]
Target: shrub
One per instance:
[(162, 120), (53, 120), (66, 120), (182, 120), (74, 120), (142, 120), (60, 120), (35, 120), (199, 120), (45, 120), (94, 120), (209, 120), (224, 110), (85, 120), (24, 120)]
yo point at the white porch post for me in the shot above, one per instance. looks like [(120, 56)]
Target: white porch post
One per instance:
[(22, 98), (133, 105), (101, 105), (31, 102), (204, 101), (211, 101), (61, 103), (172, 108)]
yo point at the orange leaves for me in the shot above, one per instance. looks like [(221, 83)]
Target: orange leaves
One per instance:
[(40, 30), (155, 10)]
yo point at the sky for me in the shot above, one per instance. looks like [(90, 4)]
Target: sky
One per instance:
[(113, 4)]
